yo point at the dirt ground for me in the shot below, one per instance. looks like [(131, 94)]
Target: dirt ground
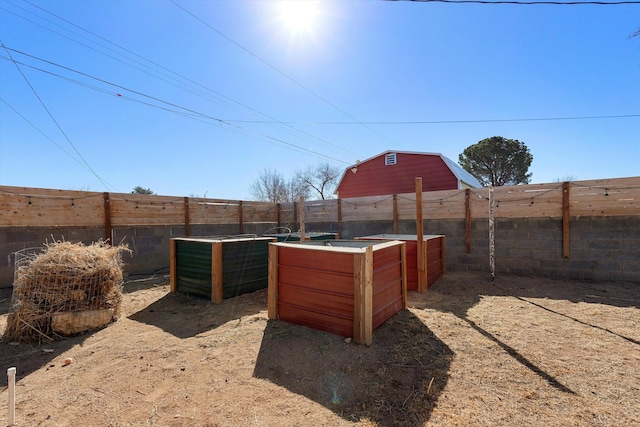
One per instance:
[(523, 352)]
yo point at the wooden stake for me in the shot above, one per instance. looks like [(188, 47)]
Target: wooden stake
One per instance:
[(11, 375), (358, 296), (172, 266), (403, 260), (216, 272), (272, 287), (302, 218), (422, 268), (368, 296)]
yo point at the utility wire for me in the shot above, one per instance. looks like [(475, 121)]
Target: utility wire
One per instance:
[(41, 132), (430, 122), (291, 79), (193, 83), (191, 113), (53, 118)]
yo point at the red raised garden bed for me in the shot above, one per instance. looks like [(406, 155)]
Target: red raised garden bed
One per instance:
[(433, 258), (346, 287)]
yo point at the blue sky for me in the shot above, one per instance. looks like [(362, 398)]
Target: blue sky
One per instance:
[(198, 98)]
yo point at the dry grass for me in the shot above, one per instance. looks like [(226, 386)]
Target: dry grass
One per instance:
[(63, 277), (526, 352)]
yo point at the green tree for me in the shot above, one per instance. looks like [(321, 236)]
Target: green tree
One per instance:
[(498, 161), (141, 190)]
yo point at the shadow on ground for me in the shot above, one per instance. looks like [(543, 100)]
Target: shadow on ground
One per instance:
[(186, 316), (31, 356), (394, 382), (457, 293)]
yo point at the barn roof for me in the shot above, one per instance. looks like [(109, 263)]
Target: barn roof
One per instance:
[(457, 170)]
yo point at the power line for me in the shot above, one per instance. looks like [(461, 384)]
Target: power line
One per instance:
[(185, 111), (190, 82), (430, 122), (53, 118), (291, 79), (41, 132)]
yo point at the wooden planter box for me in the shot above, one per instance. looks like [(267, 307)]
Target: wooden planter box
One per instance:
[(346, 287), (421, 273), (219, 267)]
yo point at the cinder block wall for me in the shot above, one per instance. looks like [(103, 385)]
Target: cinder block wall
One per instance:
[(150, 244), (601, 248)]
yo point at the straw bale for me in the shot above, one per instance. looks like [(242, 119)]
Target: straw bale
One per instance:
[(65, 278)]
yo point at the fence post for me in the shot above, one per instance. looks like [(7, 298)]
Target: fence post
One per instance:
[(492, 238), (240, 218), (302, 230), (467, 219), (565, 219), (422, 264), (339, 219), (107, 218), (395, 214), (277, 214), (187, 228)]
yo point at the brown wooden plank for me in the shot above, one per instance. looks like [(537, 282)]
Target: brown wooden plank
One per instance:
[(422, 267), (216, 272), (358, 297), (187, 229), (367, 296), (272, 286), (172, 265), (467, 220), (565, 219), (403, 260)]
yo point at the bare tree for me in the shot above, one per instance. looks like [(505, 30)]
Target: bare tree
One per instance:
[(320, 180), (270, 186)]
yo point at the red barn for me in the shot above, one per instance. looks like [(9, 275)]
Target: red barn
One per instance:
[(395, 172)]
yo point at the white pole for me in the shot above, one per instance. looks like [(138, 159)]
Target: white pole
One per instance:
[(11, 374)]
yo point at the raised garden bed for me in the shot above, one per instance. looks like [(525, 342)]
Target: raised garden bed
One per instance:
[(346, 287), (219, 267), (432, 261)]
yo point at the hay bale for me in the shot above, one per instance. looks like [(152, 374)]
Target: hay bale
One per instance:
[(75, 322), (65, 277)]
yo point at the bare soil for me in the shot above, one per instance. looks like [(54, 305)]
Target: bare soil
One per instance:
[(523, 352)]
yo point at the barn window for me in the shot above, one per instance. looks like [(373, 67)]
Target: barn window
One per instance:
[(390, 159)]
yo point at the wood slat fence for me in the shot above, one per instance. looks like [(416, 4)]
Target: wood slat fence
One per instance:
[(24, 207)]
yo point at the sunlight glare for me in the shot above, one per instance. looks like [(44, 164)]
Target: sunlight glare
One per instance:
[(299, 15)]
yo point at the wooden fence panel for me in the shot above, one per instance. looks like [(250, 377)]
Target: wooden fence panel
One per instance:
[(145, 209), (20, 206), (254, 212), (288, 214), (213, 211), (377, 208), (606, 197), (321, 211)]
